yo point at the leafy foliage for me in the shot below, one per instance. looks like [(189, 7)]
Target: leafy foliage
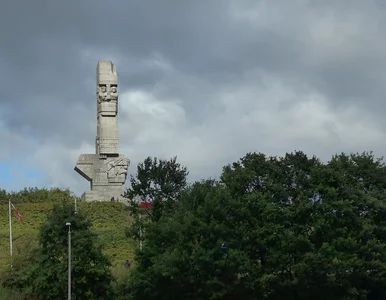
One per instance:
[(90, 268), (159, 182), (108, 220), (35, 195), (157, 179), (10, 294), (296, 229)]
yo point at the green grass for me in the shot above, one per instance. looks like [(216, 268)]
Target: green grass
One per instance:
[(109, 219), (6, 294)]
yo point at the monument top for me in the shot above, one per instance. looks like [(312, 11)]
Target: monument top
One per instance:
[(106, 73)]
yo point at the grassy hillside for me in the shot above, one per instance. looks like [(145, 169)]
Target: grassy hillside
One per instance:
[(109, 220)]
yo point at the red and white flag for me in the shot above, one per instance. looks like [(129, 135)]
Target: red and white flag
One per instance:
[(17, 213)]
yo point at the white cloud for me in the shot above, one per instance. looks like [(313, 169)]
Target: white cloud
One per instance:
[(212, 115), (262, 114)]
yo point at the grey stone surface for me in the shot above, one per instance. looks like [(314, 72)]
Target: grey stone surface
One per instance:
[(106, 170)]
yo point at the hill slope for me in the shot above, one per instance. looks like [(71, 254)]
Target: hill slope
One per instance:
[(109, 220)]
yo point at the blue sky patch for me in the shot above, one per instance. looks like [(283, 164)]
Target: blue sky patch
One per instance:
[(15, 176)]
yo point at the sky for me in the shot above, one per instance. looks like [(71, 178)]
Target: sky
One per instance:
[(206, 81)]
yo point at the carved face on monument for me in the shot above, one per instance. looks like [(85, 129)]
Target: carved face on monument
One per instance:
[(102, 93), (118, 167), (123, 169), (107, 92), (113, 92)]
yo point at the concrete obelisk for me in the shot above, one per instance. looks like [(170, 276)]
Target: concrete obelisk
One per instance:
[(106, 169)]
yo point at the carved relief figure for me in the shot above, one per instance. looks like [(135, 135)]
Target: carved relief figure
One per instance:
[(114, 92), (107, 93), (118, 167), (102, 93)]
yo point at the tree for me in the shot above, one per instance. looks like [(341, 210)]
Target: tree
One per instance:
[(35, 195), (91, 276), (183, 259), (159, 182), (295, 229), (349, 226)]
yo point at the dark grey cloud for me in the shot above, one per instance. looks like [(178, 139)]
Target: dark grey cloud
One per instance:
[(231, 76), (43, 58)]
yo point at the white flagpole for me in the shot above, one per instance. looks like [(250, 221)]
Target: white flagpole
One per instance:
[(140, 231), (10, 231)]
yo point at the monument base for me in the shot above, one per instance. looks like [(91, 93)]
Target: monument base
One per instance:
[(96, 196)]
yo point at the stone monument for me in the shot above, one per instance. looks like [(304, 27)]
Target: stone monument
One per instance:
[(106, 170)]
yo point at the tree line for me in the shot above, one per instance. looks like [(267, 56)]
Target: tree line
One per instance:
[(290, 227), (293, 228)]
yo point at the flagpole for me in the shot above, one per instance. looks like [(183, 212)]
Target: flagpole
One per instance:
[(10, 231)]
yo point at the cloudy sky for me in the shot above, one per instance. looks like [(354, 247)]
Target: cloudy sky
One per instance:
[(207, 81)]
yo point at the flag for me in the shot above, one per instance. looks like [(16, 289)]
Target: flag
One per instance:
[(17, 213), (145, 204)]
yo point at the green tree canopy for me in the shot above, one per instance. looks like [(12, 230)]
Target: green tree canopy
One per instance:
[(91, 276), (157, 179), (295, 228), (159, 182), (35, 195)]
